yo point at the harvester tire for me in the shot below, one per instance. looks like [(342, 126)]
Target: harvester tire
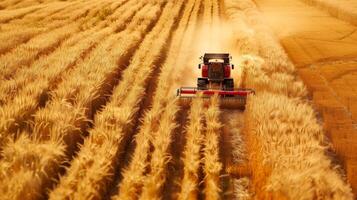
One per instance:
[(228, 84), (202, 84)]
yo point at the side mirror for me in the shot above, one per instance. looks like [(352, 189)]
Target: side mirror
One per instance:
[(199, 66), (232, 66)]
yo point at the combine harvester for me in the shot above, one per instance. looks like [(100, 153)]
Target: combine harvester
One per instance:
[(216, 79)]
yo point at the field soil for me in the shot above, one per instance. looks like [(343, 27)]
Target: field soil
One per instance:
[(324, 51)]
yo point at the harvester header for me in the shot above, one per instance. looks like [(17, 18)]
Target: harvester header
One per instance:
[(216, 79)]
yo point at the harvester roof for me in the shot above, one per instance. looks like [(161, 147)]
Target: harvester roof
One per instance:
[(208, 56)]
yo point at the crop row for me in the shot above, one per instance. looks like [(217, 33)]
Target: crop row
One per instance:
[(61, 122), (286, 145), (29, 90), (113, 125), (134, 175)]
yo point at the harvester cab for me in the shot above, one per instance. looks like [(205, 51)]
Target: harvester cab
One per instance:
[(216, 79), (216, 72)]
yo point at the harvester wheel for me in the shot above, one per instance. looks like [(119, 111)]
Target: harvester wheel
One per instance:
[(228, 84), (202, 84)]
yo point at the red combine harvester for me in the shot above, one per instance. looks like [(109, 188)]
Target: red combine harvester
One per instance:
[(216, 79)]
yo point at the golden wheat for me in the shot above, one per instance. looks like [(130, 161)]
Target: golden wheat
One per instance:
[(9, 15), (133, 178), (77, 75), (74, 117), (289, 150), (26, 28), (281, 130), (211, 164), (114, 123), (47, 72), (191, 154), (26, 53)]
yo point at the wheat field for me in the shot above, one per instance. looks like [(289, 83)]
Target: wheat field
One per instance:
[(88, 106)]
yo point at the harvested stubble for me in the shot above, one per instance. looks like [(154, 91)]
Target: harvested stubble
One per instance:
[(114, 124), (286, 145), (62, 121)]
